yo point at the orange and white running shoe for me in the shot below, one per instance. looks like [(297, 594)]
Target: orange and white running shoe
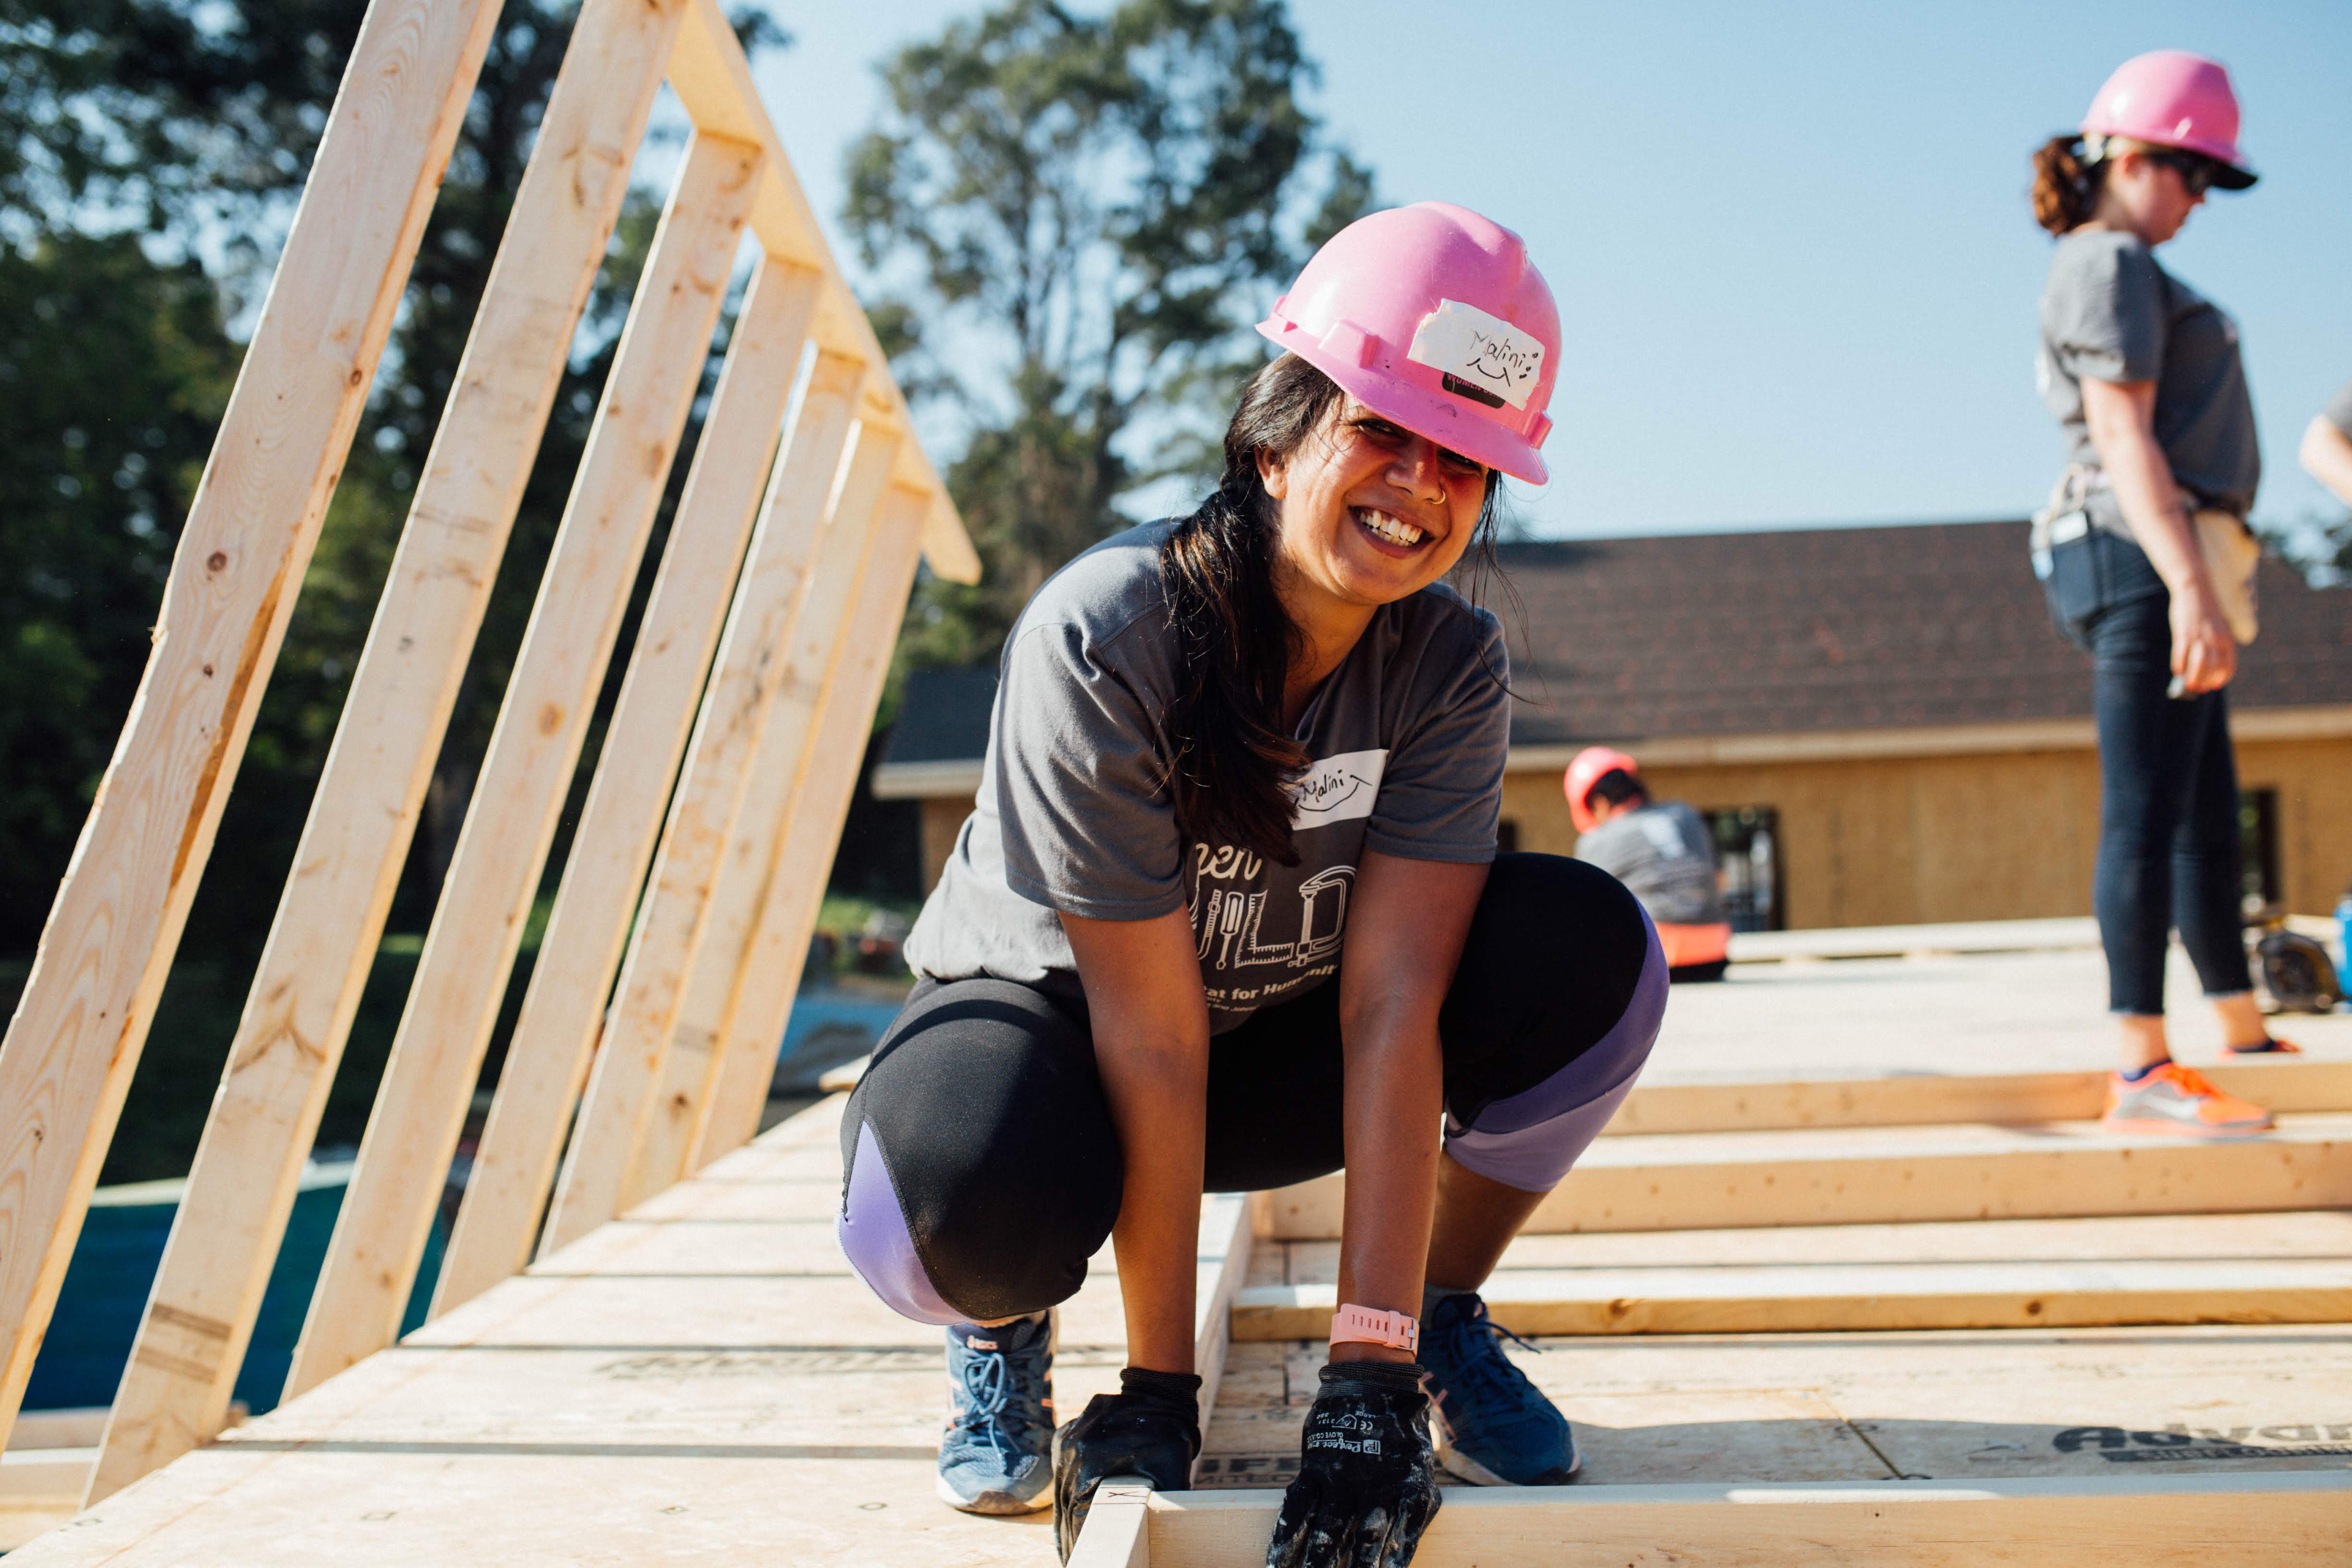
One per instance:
[(2177, 1101)]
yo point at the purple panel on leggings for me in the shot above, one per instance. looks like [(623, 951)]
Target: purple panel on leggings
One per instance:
[(874, 1237), (1530, 1139)]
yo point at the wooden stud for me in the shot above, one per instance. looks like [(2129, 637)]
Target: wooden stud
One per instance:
[(626, 1091), (437, 1054), (713, 81), (2173, 1520), (1117, 1532), (1226, 1240), (2287, 1084), (1896, 1175), (200, 1314), (752, 987), (108, 942), (548, 1060)]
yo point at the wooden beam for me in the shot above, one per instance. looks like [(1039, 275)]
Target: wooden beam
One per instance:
[(323, 941), (753, 986), (627, 1092), (547, 1062), (108, 944), (1117, 1532), (2285, 1084), (437, 1054), (713, 80), (2171, 1520), (1811, 1299), (1891, 1175)]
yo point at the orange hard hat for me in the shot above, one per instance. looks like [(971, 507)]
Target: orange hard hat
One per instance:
[(1592, 765)]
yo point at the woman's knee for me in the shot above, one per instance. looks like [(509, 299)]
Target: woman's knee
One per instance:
[(982, 1170), (1574, 998)]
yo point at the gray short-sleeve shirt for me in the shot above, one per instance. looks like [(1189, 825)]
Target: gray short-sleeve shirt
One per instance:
[(2109, 312), (1665, 856), (1408, 739), (2338, 411)]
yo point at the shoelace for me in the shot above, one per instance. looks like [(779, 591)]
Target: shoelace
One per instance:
[(1487, 1369), (988, 1395)]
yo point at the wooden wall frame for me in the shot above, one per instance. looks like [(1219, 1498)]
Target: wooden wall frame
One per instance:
[(109, 944)]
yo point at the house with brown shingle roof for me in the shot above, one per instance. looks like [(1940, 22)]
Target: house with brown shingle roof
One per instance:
[(1882, 723)]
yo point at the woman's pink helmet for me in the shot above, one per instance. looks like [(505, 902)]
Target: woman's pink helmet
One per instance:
[(2174, 99), (1432, 317)]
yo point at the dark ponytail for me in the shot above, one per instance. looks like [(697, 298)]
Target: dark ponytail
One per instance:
[(1231, 757), (2065, 185)]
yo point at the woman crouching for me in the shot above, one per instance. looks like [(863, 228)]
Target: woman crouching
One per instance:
[(1229, 916)]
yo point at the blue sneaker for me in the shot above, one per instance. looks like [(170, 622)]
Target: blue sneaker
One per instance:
[(995, 1456), (1494, 1427)]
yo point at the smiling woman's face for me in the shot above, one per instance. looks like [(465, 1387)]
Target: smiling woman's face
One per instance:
[(1369, 512)]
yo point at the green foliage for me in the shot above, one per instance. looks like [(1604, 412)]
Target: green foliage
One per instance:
[(1096, 207)]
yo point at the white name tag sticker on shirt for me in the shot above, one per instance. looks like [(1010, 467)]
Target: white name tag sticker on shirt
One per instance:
[(1481, 357), (1337, 789)]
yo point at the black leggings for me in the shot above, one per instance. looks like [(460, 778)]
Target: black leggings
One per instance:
[(2169, 851), (983, 1169)]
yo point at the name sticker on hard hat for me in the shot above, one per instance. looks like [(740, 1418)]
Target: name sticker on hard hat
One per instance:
[(1483, 358)]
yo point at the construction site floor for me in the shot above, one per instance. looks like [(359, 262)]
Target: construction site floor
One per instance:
[(704, 1382)]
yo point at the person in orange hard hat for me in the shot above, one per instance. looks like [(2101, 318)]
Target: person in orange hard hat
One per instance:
[(1662, 851), (2146, 560)]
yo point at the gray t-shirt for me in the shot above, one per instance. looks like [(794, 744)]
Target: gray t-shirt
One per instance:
[(2110, 313), (1408, 738), (2339, 410), (1665, 854)]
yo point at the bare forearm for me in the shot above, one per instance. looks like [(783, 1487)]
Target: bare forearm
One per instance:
[(1158, 1096), (2151, 503), (2327, 454), (1395, 1096)]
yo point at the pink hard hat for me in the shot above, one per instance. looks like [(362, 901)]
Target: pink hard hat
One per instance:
[(1432, 317), (2174, 99), (1589, 767)]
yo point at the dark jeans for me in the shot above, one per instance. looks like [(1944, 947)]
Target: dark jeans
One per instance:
[(2168, 852)]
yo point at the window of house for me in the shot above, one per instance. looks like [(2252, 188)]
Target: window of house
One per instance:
[(2258, 854), (1748, 866)]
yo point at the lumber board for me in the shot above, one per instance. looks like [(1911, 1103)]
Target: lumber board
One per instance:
[(828, 728), (547, 1062), (324, 936), (1802, 1298), (713, 81), (1885, 1175), (2181, 1521), (2045, 935), (109, 939), (1750, 1104), (629, 1143), (823, 621), (470, 949), (1117, 1532)]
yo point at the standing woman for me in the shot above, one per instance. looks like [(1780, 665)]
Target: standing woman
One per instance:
[(1228, 915), (2146, 559)]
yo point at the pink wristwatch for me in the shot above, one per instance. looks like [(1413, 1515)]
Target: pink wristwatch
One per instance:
[(1365, 1325)]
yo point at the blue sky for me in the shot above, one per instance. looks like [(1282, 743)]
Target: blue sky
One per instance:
[(1790, 242)]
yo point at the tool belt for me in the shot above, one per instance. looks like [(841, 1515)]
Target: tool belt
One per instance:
[(2230, 550)]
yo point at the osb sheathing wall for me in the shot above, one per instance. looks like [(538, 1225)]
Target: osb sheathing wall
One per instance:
[(2001, 836)]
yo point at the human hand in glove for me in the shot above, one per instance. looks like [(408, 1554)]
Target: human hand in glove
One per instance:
[(1150, 1427), (1367, 1483)]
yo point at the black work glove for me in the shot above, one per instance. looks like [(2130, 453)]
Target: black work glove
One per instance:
[(1150, 1427), (1367, 1483)]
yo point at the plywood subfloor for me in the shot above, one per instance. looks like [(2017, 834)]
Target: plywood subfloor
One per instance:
[(703, 1382)]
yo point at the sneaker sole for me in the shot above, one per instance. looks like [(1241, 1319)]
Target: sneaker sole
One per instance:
[(993, 1505), (2204, 1133), (1461, 1466)]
